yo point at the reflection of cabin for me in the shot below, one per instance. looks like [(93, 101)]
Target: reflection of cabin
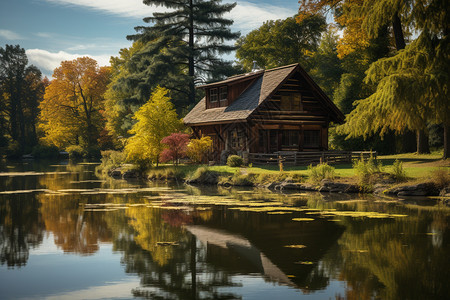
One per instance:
[(266, 111)]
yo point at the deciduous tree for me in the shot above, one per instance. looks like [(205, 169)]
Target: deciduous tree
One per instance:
[(71, 110), (177, 147), (155, 120), (281, 42)]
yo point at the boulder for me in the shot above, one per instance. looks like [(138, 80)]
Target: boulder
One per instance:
[(419, 189), (337, 187)]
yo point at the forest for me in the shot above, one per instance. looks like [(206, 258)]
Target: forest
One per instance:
[(384, 63)]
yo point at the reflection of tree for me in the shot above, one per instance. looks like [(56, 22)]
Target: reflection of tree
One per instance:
[(395, 259), (74, 229), (20, 228), (167, 272)]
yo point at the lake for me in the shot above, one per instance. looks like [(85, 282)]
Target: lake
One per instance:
[(66, 233)]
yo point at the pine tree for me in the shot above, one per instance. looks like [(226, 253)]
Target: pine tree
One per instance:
[(183, 44)]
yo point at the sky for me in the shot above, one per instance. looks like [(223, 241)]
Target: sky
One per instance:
[(52, 31)]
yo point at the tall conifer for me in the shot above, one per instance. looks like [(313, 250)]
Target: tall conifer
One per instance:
[(183, 44)]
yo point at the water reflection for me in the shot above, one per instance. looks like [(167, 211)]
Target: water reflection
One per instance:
[(197, 243)]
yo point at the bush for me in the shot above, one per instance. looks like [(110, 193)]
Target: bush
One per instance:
[(398, 172), (111, 160), (198, 149), (13, 150), (320, 172), (234, 161), (43, 151), (76, 152), (365, 169), (441, 178)]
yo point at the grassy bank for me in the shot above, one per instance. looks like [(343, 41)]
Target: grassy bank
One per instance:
[(416, 168)]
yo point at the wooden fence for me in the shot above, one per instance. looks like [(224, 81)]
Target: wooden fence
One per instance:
[(306, 158)]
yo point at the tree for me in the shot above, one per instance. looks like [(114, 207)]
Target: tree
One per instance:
[(411, 86), (198, 149), (183, 44), (21, 90), (281, 42), (177, 147), (122, 100), (71, 110), (155, 120)]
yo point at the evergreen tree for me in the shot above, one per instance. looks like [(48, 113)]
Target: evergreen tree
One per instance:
[(21, 90), (182, 46)]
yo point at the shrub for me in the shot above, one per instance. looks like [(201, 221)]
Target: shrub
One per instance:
[(111, 160), (441, 178), (198, 149), (234, 161), (365, 169), (398, 172), (13, 150), (76, 152), (320, 172), (177, 147), (43, 151)]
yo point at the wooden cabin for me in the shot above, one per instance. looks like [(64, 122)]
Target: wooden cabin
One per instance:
[(266, 111)]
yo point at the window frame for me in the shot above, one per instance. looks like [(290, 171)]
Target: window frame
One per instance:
[(213, 92)]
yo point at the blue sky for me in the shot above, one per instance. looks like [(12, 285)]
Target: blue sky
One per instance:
[(55, 30)]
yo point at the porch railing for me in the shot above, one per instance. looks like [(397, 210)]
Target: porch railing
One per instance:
[(306, 158)]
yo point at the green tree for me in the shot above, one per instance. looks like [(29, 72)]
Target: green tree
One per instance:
[(281, 42), (326, 66), (182, 45), (71, 110), (412, 86), (122, 100), (21, 90), (155, 120)]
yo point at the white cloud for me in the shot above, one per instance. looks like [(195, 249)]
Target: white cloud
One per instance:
[(9, 35), (246, 15), (126, 8), (48, 61)]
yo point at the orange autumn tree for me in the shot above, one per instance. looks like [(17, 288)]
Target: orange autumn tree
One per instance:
[(71, 110)]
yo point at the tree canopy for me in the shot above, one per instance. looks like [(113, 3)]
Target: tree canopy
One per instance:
[(21, 90), (155, 120), (73, 102), (183, 45), (281, 42)]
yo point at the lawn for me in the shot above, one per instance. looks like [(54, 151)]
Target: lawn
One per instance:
[(416, 166)]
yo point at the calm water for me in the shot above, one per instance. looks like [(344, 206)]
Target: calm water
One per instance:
[(67, 234)]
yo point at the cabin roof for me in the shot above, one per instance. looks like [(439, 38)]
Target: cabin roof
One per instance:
[(266, 83)]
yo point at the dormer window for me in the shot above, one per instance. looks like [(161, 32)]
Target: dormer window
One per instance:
[(223, 95), (213, 95)]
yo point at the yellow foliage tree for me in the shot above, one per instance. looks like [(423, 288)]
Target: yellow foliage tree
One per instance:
[(199, 148), (155, 120), (71, 110)]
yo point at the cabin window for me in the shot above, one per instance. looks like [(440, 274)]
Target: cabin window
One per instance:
[(223, 95), (237, 137), (290, 138), (311, 138), (213, 95), (291, 103)]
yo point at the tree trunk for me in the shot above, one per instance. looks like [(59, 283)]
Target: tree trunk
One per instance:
[(191, 54), (398, 33), (422, 142), (446, 141)]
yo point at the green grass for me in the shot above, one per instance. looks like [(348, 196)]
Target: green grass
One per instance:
[(416, 166)]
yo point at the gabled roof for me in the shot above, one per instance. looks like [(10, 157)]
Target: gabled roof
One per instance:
[(265, 84)]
